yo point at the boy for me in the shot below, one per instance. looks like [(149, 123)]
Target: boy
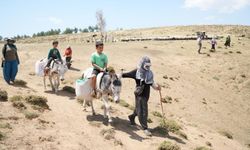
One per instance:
[(53, 54), (99, 61), (68, 54)]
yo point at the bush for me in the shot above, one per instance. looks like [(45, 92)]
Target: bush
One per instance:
[(30, 115), (18, 105), (108, 133), (39, 102), (16, 98), (3, 96), (2, 136), (166, 145), (69, 89), (171, 125)]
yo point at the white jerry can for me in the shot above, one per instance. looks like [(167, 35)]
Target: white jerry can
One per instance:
[(83, 89), (39, 67)]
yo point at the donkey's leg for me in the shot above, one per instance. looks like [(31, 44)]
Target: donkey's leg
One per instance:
[(44, 82), (107, 107), (92, 107), (84, 104), (57, 83), (51, 84)]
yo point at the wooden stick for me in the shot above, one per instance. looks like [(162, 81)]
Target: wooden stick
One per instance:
[(163, 114)]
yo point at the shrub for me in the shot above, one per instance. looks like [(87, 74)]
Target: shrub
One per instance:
[(39, 102), (171, 125), (30, 115), (18, 105), (16, 98), (108, 133), (69, 89), (5, 126), (166, 145), (20, 83), (157, 114), (3, 96)]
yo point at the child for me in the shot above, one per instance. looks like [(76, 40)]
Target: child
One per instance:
[(53, 54), (213, 43), (68, 54), (99, 61)]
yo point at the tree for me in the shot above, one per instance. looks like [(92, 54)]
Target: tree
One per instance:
[(68, 31), (101, 23), (1, 38), (76, 30)]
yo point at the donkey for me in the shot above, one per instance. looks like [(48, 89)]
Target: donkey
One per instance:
[(107, 84), (55, 74)]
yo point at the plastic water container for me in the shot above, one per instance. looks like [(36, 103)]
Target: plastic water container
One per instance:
[(88, 73), (83, 88), (39, 67)]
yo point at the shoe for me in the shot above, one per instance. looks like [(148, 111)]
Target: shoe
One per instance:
[(131, 119), (147, 132)]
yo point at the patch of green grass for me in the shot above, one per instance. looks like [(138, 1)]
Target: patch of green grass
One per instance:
[(226, 134), (166, 145), (201, 148), (30, 115), (167, 99), (238, 52), (38, 102), (157, 114), (3, 96), (21, 83), (69, 89), (5, 126)]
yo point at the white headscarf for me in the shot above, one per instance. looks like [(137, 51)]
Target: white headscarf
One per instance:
[(143, 71)]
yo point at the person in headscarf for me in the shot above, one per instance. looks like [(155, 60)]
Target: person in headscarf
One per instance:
[(144, 78), (10, 61)]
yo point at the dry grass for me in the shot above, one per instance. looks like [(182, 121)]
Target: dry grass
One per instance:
[(2, 136), (157, 114), (108, 134), (3, 96), (38, 102), (30, 115), (149, 120), (123, 103), (226, 134), (21, 83), (166, 145), (201, 148), (5, 126), (167, 99)]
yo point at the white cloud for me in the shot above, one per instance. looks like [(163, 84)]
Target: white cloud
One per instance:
[(223, 6), (55, 20)]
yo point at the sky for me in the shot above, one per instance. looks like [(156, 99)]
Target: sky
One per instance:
[(19, 17)]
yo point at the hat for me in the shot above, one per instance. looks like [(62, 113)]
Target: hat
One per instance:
[(98, 43)]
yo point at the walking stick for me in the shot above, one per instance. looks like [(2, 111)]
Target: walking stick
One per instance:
[(163, 114)]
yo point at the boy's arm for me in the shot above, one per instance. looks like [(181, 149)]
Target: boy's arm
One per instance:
[(97, 67)]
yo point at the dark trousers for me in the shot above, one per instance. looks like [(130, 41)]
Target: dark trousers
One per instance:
[(141, 110), (213, 46), (68, 59), (200, 45)]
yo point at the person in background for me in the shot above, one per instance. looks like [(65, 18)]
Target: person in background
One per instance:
[(199, 40), (213, 43), (68, 54), (144, 78), (228, 41), (10, 61)]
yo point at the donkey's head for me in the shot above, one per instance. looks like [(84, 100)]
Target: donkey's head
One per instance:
[(116, 85), (61, 68)]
